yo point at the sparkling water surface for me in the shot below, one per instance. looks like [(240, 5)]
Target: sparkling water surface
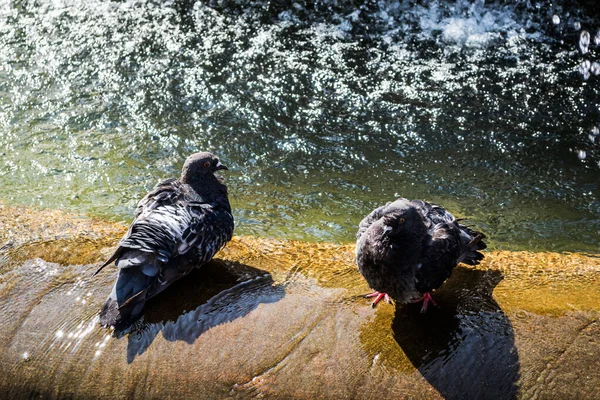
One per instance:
[(321, 110)]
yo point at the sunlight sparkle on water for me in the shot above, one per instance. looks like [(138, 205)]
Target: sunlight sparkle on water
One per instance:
[(584, 69), (125, 91)]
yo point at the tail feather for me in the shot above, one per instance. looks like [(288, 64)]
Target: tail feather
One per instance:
[(472, 242), (127, 298)]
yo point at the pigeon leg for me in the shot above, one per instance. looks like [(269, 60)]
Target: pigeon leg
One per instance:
[(378, 296), (426, 299)]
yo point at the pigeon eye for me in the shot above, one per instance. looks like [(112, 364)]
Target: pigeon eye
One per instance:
[(206, 164), (402, 220)]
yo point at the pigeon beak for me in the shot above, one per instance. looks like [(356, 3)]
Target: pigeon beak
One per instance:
[(220, 166), (387, 229)]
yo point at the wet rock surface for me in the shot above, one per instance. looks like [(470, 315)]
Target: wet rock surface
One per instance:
[(285, 319)]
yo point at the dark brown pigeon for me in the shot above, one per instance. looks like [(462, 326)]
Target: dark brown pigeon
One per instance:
[(178, 226), (406, 249)]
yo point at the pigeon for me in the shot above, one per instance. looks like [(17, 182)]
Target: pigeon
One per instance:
[(178, 226), (408, 248)]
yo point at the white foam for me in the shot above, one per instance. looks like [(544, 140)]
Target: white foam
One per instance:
[(470, 25), (469, 31)]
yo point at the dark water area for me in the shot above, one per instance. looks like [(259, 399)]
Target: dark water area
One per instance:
[(321, 110)]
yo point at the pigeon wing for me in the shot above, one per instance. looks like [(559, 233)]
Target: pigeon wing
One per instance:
[(179, 225), (172, 234), (164, 193), (441, 248)]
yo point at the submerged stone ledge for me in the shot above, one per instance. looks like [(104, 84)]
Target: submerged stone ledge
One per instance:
[(286, 319)]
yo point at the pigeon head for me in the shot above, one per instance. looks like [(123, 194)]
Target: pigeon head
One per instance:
[(401, 222), (199, 166)]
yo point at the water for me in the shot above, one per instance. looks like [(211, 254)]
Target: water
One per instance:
[(322, 111)]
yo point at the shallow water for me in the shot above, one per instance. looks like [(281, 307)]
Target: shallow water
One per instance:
[(321, 110), (277, 319)]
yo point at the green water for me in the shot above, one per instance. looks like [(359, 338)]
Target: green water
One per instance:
[(322, 111)]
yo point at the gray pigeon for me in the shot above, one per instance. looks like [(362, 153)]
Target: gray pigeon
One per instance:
[(178, 226), (408, 248)]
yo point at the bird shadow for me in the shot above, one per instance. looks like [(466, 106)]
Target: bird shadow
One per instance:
[(465, 348), (219, 292)]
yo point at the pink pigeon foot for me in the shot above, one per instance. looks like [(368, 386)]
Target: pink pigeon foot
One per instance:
[(426, 299), (378, 296)]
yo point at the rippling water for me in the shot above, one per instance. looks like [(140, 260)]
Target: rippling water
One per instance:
[(321, 110)]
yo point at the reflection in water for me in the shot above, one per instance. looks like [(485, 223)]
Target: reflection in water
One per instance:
[(464, 348), (215, 294)]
